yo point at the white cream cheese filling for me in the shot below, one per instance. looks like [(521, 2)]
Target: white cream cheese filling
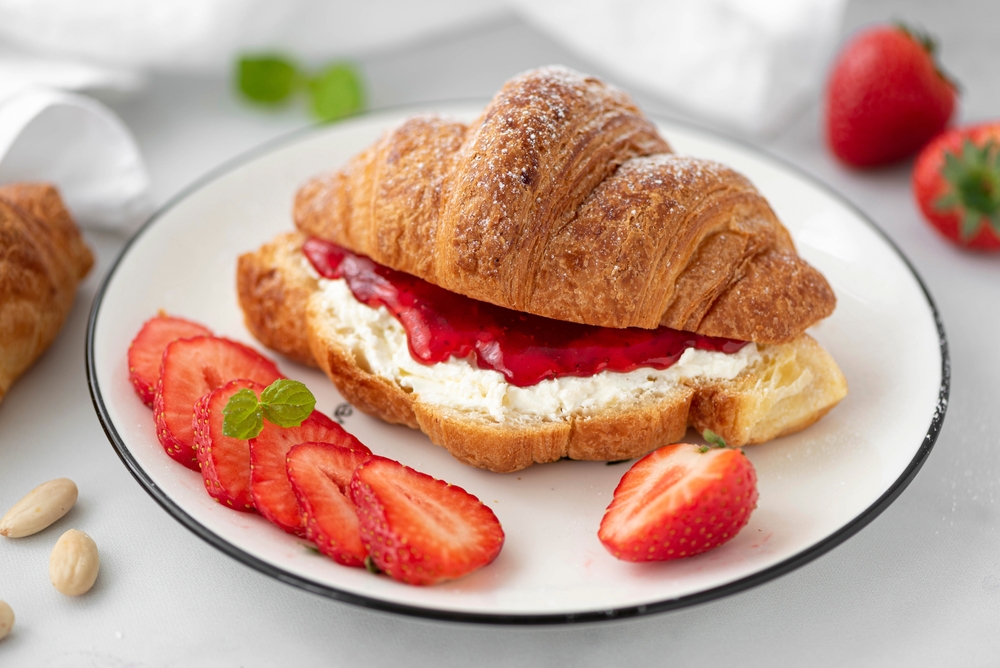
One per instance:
[(378, 342)]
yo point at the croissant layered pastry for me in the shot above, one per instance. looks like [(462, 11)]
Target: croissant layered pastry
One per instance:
[(42, 260), (562, 201)]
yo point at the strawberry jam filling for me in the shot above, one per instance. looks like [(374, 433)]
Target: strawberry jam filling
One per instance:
[(525, 348)]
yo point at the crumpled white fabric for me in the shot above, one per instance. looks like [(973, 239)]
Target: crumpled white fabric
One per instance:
[(81, 146), (748, 66)]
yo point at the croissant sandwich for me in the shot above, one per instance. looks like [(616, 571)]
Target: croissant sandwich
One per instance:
[(599, 294)]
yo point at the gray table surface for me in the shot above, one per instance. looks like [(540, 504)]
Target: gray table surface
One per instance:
[(919, 586)]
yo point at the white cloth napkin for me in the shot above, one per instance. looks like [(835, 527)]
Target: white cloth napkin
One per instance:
[(81, 146), (745, 65)]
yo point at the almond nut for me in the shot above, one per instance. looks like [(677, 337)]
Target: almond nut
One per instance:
[(74, 563), (6, 619), (41, 507)]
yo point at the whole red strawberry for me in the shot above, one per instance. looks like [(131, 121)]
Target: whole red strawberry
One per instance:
[(886, 97), (956, 181)]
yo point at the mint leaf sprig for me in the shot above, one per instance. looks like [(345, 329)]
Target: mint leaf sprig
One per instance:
[(335, 90), (285, 403)]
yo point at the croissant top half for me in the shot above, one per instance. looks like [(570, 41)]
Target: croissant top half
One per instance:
[(562, 200)]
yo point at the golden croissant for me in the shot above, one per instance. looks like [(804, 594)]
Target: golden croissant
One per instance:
[(42, 259), (562, 200)]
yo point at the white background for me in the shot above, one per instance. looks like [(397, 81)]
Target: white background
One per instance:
[(919, 586)]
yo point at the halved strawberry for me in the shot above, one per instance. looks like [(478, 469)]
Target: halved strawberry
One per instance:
[(679, 501), (272, 492), (420, 530), (320, 474), (191, 369), (224, 461), (146, 351)]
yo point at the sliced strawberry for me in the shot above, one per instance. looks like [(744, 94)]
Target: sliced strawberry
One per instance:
[(320, 474), (191, 369), (224, 461), (146, 352), (420, 530), (679, 501), (272, 492)]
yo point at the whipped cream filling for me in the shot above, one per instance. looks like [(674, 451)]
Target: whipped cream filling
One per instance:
[(378, 342)]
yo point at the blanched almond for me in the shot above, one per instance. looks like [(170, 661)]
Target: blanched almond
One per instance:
[(6, 619), (74, 563), (41, 507)]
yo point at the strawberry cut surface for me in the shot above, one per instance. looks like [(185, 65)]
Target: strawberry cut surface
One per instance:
[(420, 530), (224, 461), (191, 369), (320, 474), (145, 354), (272, 491), (679, 501)]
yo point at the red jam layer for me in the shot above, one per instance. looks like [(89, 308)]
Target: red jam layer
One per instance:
[(525, 348)]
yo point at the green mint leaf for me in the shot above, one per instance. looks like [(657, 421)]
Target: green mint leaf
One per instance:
[(714, 439), (242, 416), (336, 92), (287, 403), (266, 79)]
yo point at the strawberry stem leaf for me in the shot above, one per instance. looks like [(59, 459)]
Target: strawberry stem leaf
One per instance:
[(973, 177), (287, 402), (930, 45), (714, 440), (995, 223), (371, 566), (242, 416)]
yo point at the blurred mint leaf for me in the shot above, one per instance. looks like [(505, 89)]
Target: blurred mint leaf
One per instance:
[(336, 92), (242, 416), (268, 79), (287, 403)]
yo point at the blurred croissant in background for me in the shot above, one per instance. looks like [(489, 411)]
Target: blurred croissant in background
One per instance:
[(42, 260)]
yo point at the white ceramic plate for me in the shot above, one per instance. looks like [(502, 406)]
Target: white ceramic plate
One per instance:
[(817, 488)]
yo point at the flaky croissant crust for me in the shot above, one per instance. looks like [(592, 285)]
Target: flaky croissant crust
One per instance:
[(42, 260), (562, 200)]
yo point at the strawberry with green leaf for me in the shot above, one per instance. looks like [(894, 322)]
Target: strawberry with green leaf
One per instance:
[(956, 181)]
